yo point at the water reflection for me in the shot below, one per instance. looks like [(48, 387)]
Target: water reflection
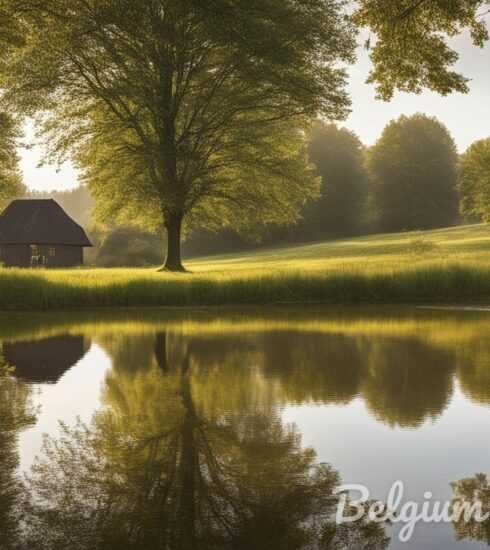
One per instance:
[(16, 414), (474, 372), (164, 466), (471, 491), (190, 449), (404, 382), (44, 360)]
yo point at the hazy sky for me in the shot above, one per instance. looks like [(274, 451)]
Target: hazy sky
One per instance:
[(466, 116)]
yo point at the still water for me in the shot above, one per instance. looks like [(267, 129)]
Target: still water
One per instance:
[(233, 430)]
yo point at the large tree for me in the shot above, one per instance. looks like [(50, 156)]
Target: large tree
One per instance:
[(474, 182), (181, 109), (413, 175), (191, 110)]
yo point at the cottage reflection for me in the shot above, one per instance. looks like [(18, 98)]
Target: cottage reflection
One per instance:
[(45, 361)]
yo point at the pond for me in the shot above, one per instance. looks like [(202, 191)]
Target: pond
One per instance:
[(235, 430)]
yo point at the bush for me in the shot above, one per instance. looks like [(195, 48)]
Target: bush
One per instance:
[(130, 247)]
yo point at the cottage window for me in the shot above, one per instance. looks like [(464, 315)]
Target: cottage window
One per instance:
[(34, 251), (52, 251)]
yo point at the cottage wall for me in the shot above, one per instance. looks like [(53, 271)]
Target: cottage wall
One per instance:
[(16, 255)]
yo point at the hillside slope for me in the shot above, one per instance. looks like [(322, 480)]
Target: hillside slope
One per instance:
[(470, 243)]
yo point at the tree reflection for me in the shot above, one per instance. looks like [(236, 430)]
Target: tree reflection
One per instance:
[(469, 492), (313, 367), (474, 371), (16, 414), (164, 466), (404, 382), (407, 382)]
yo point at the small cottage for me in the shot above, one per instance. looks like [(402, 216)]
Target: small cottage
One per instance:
[(39, 233)]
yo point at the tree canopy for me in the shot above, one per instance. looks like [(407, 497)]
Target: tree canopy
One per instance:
[(412, 168), (409, 42), (10, 176), (474, 182)]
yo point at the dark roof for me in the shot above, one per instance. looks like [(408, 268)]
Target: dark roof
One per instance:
[(39, 221)]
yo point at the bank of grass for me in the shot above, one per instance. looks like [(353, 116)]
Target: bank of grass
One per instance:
[(451, 265)]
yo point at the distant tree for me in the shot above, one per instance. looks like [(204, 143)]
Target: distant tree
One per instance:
[(128, 246), (10, 176), (183, 111), (338, 156), (412, 169), (474, 182)]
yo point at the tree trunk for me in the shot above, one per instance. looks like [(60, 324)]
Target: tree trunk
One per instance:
[(160, 350), (173, 261), (189, 466)]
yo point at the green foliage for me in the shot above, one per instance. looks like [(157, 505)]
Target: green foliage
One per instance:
[(474, 182), (10, 176), (130, 247), (338, 210), (266, 183), (413, 168), (410, 49), (178, 111), (339, 158)]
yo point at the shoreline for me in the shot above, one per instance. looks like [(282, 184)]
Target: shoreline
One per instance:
[(447, 284)]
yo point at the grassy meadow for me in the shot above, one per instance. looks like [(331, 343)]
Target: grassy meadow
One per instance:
[(443, 266)]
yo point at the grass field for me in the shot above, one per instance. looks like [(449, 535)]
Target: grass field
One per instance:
[(448, 265)]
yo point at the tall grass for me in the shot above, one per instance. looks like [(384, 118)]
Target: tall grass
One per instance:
[(448, 265), (440, 282)]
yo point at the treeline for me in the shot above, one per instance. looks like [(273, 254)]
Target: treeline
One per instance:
[(411, 179)]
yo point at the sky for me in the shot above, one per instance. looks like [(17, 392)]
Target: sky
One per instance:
[(467, 116)]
